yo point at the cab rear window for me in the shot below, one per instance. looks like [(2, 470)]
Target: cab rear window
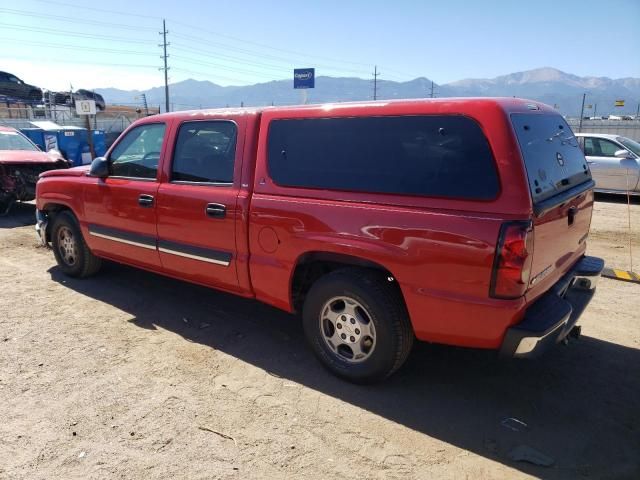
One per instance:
[(552, 157)]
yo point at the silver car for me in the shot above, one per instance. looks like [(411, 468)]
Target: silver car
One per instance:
[(614, 162)]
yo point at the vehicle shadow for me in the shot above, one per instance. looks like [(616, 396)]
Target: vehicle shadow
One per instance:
[(20, 215), (581, 402)]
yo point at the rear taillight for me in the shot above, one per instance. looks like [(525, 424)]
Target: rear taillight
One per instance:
[(512, 263)]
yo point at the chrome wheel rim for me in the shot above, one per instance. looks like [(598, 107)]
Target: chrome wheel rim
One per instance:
[(67, 246), (347, 329)]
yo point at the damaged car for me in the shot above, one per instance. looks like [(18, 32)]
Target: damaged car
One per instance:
[(21, 162)]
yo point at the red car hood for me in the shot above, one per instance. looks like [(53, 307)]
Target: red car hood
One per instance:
[(27, 156), (67, 172)]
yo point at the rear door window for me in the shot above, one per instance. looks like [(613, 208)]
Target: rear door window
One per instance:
[(205, 152), (607, 147), (552, 157), (435, 155)]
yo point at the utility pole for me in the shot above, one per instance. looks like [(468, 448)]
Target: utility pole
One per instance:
[(87, 125), (584, 96), (375, 82), (144, 104), (431, 95), (165, 68), (638, 112), (595, 110)]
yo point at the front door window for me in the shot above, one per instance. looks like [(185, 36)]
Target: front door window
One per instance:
[(138, 153)]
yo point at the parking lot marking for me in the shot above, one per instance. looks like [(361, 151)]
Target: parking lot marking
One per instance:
[(621, 275)]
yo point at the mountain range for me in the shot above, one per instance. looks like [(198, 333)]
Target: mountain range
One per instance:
[(547, 85)]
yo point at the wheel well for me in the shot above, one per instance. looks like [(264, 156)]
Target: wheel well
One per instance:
[(52, 209), (313, 265)]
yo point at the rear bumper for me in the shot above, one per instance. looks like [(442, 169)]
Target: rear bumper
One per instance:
[(551, 317)]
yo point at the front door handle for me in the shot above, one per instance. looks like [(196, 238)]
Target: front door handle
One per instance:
[(216, 210), (145, 200), (571, 215)]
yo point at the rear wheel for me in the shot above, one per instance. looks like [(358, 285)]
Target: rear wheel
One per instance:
[(72, 254), (357, 325)]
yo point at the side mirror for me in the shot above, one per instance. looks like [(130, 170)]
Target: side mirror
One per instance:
[(99, 167), (622, 154)]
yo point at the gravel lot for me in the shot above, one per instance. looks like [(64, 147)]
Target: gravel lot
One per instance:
[(132, 375)]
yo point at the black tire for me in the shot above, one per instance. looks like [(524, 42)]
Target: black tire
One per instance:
[(72, 254), (384, 307)]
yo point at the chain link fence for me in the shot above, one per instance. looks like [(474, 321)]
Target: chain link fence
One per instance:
[(624, 128)]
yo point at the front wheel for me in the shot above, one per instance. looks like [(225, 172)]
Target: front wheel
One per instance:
[(357, 325), (72, 254)]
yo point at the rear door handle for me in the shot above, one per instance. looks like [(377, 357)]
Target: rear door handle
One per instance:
[(145, 200), (216, 210)]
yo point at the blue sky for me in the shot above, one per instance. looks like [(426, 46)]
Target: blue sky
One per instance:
[(54, 43)]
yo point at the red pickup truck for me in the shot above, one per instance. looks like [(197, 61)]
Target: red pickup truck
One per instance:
[(456, 221)]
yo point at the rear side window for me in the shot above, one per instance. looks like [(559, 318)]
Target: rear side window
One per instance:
[(205, 152), (443, 156), (553, 159)]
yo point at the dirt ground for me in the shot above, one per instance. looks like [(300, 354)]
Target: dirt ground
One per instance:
[(132, 375)]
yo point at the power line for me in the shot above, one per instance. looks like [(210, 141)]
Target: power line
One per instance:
[(207, 75), (261, 45), (102, 10), (82, 35), (220, 56), (66, 46), (223, 67), (205, 31), (75, 20), (230, 37), (66, 60), (66, 33), (208, 32), (200, 41), (285, 62)]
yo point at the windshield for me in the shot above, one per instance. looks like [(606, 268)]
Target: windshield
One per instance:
[(551, 155), (630, 144), (15, 141)]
